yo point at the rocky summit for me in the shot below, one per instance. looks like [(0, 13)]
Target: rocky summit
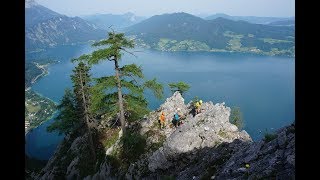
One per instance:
[(205, 146)]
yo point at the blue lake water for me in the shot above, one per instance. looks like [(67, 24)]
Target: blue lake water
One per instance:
[(263, 87)]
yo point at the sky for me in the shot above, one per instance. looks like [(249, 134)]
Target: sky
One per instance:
[(266, 8)]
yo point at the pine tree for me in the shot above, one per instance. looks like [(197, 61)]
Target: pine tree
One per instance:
[(127, 78), (67, 120), (182, 87), (81, 79), (134, 102)]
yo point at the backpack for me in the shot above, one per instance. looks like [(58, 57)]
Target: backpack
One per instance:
[(176, 117)]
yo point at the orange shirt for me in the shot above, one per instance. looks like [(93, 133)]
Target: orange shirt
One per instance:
[(162, 117)]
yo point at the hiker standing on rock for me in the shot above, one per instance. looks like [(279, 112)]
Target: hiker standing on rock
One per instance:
[(198, 106), (176, 119), (162, 120)]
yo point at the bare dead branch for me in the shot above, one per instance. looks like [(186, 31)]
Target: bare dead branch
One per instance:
[(115, 122), (110, 27), (128, 52)]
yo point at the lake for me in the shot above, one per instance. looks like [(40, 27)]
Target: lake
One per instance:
[(262, 86)]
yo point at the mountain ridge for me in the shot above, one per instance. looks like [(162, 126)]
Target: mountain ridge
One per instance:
[(250, 19), (186, 32), (117, 21), (46, 28), (35, 13)]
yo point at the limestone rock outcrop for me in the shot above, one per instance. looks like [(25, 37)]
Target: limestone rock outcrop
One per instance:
[(205, 146)]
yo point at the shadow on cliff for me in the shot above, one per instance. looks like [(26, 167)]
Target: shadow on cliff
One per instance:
[(204, 162), (265, 159)]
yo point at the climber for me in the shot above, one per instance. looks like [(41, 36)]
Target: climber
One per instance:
[(176, 119), (162, 120), (198, 106)]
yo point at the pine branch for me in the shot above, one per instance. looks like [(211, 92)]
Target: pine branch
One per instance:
[(155, 87)]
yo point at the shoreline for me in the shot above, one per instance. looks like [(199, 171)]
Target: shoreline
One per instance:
[(43, 69), (34, 80), (56, 103), (220, 51), (50, 117)]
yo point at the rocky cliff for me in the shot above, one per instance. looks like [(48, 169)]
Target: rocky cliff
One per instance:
[(205, 146)]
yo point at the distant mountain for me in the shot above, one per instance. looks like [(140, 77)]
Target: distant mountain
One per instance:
[(290, 22), (178, 26), (185, 32), (61, 31), (46, 28), (250, 19), (104, 21), (35, 13)]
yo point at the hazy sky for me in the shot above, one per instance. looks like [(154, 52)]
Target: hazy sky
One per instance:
[(273, 8)]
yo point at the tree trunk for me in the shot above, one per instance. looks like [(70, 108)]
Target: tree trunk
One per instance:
[(122, 119), (86, 115)]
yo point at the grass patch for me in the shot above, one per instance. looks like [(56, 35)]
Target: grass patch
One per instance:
[(185, 45), (33, 109), (109, 137), (156, 134), (223, 134)]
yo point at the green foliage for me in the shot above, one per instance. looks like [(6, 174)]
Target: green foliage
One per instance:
[(195, 99), (155, 133), (37, 108), (155, 87), (269, 136), (105, 96), (185, 45), (212, 35), (133, 146), (116, 43), (81, 87), (104, 93), (132, 70), (135, 106), (68, 119), (236, 117), (182, 87), (81, 79), (121, 94), (110, 136)]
